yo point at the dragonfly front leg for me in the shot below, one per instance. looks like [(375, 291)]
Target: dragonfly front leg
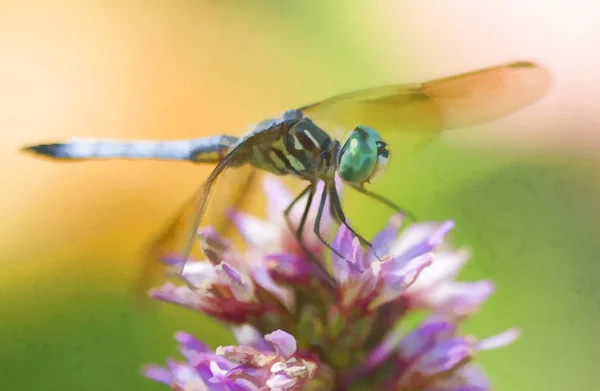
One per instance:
[(334, 214), (310, 189), (337, 206), (317, 227), (385, 202)]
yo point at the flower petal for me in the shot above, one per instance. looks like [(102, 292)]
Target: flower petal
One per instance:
[(396, 282), (258, 233), (413, 235), (158, 374), (444, 357), (185, 375), (278, 197), (261, 275), (189, 342), (248, 335), (382, 351), (292, 267), (458, 298), (467, 378), (422, 339), (241, 288), (446, 265), (383, 241), (198, 273), (283, 343), (342, 242), (499, 340), (280, 381), (180, 295), (434, 238)]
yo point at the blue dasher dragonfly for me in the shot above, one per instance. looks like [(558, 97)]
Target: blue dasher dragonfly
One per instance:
[(297, 143)]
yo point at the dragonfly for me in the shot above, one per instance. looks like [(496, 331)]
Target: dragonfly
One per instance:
[(299, 144)]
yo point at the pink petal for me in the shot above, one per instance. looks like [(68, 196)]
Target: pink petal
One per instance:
[(459, 298), (383, 241), (422, 338), (189, 342), (198, 273), (342, 242), (280, 381), (417, 233), (258, 233), (159, 374), (428, 244), (444, 357), (499, 340), (248, 335), (283, 343), (263, 278), (445, 266), (278, 197)]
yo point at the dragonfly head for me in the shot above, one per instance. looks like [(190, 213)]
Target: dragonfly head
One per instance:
[(363, 156)]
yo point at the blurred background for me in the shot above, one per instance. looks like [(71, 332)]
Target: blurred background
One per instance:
[(523, 190)]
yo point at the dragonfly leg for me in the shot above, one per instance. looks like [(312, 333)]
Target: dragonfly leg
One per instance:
[(337, 206), (386, 202), (334, 213), (287, 211), (317, 227), (335, 202), (310, 189)]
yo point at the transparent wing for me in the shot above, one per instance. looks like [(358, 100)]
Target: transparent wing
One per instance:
[(232, 189), (427, 109), (165, 242), (229, 186)]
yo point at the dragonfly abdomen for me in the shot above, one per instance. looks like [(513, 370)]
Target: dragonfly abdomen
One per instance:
[(202, 150)]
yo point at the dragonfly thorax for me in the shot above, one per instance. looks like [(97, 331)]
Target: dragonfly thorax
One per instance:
[(299, 148), (363, 156)]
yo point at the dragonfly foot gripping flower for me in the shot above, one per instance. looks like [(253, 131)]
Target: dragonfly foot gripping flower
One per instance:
[(293, 333)]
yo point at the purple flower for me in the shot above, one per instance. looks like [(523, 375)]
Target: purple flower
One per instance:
[(271, 361), (368, 282), (295, 332), (227, 286), (272, 236), (433, 356)]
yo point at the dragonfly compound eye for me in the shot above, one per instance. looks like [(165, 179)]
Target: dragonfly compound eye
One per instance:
[(363, 156)]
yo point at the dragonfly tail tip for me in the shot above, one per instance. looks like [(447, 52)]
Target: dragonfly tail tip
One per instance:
[(49, 150)]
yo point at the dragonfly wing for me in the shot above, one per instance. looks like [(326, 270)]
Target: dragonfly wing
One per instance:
[(177, 239), (233, 191), (482, 96), (166, 242), (229, 186), (429, 108)]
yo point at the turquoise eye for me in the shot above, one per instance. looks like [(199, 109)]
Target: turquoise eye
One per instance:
[(361, 155)]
